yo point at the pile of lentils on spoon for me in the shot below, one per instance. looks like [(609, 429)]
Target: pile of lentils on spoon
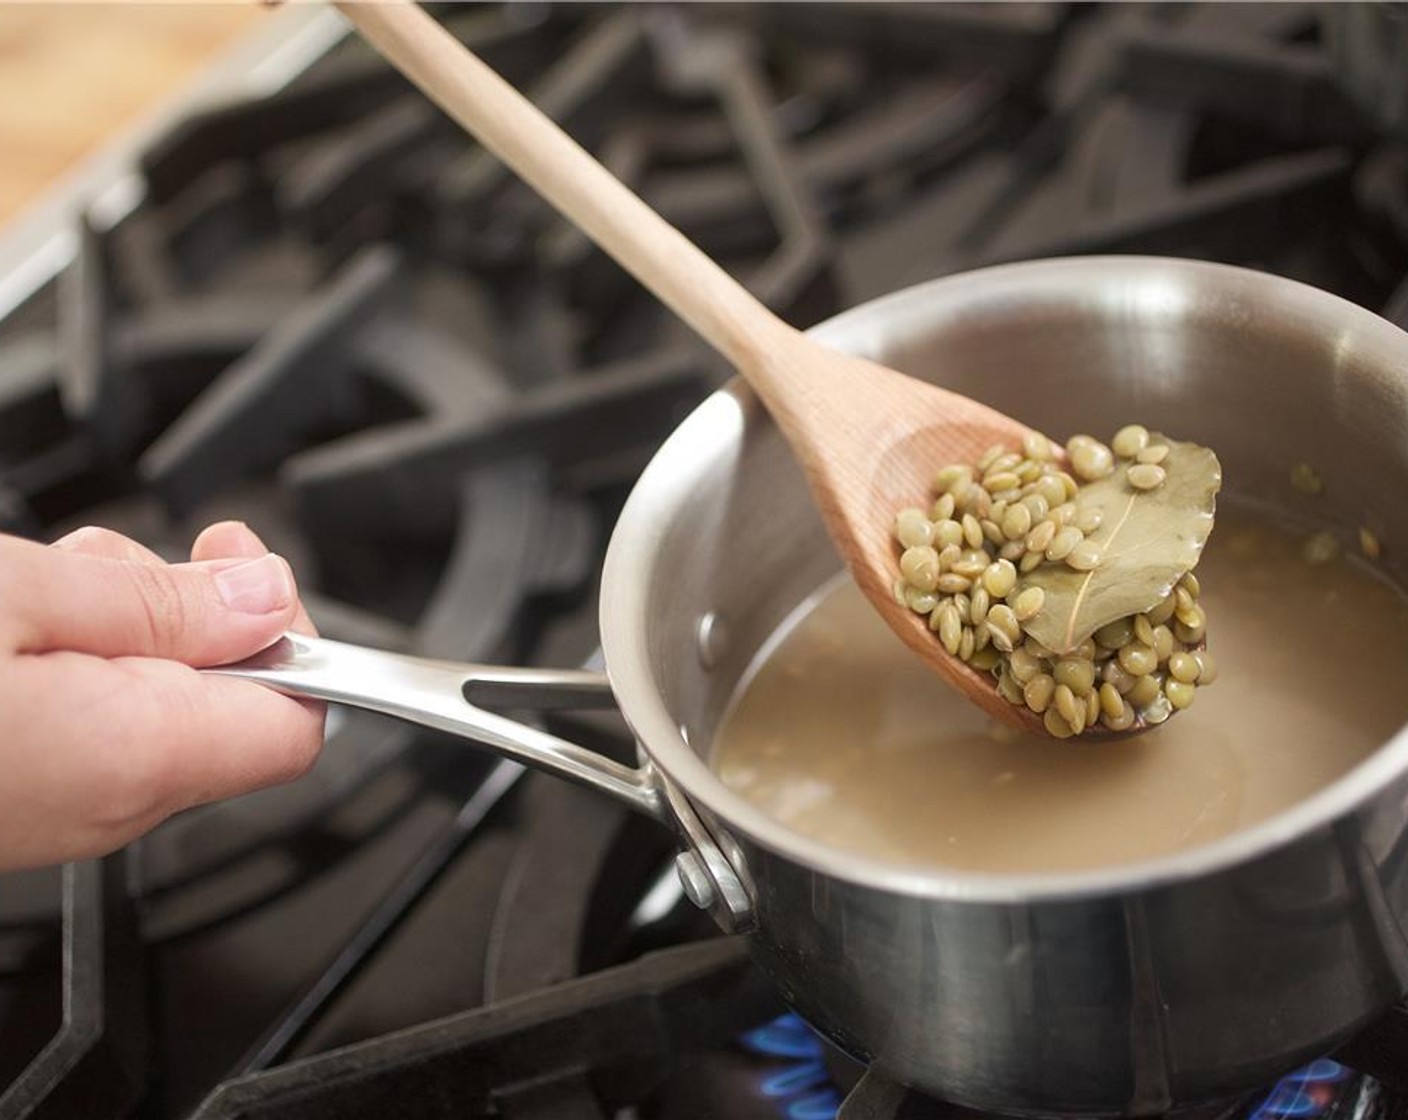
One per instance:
[(1074, 588)]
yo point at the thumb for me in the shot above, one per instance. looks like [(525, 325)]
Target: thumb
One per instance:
[(201, 613)]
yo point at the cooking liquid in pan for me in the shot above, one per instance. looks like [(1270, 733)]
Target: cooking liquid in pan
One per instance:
[(841, 733)]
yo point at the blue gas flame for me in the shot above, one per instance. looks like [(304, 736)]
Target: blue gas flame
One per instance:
[(802, 1087), (1295, 1096)]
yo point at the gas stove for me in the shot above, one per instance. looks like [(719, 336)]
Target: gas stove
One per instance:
[(327, 313)]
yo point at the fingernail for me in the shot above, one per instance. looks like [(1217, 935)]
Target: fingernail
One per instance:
[(256, 586)]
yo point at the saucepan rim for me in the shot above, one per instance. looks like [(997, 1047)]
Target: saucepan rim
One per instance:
[(904, 314)]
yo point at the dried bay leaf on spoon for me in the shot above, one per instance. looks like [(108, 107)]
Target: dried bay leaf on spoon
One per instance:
[(1147, 540)]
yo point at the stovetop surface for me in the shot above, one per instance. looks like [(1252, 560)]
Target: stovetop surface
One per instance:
[(333, 317)]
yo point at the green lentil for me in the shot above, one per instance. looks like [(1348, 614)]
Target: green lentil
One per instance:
[(978, 605), (1063, 542), (1183, 667), (1163, 643), (990, 456), (1028, 603), (975, 500), (1023, 666), (1036, 446), (1056, 727), (1189, 635), (1065, 701), (1041, 536), (1088, 520), (999, 578), (1145, 476), (1003, 619), (947, 532), (921, 602), (1180, 694), (1160, 614), (1076, 674), (1092, 708), (972, 563), (1090, 459), (967, 644), (1016, 522), (1052, 489), (1137, 659), (1122, 722), (1130, 440), (913, 529), (920, 567), (1114, 634), (1154, 454), (1157, 710), (1038, 692), (1116, 674), (1084, 557), (1111, 702), (950, 628), (943, 509), (1207, 667), (972, 531), (987, 660), (1144, 690), (1007, 688), (953, 479), (999, 638), (1037, 506)]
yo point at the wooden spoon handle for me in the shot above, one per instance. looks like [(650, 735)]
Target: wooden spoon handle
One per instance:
[(555, 165)]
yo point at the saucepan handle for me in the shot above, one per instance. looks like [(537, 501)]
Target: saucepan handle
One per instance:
[(446, 695)]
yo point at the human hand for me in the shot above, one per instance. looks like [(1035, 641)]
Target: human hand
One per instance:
[(106, 727)]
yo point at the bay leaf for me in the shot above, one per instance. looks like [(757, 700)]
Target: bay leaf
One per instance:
[(1147, 539)]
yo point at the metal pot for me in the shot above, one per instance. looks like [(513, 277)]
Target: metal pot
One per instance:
[(1126, 991)]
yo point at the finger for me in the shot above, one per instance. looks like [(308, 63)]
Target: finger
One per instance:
[(135, 740), (226, 539), (202, 614), (94, 540)]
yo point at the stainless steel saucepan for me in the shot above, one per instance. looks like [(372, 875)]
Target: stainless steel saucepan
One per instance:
[(1126, 991)]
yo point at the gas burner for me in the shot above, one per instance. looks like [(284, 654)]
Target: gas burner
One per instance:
[(336, 318)]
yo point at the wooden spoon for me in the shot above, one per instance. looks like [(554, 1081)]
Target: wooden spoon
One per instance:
[(868, 438)]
